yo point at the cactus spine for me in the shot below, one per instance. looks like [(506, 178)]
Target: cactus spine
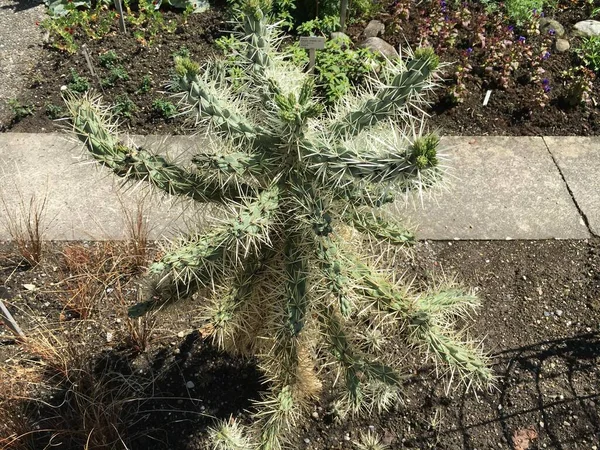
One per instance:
[(282, 282)]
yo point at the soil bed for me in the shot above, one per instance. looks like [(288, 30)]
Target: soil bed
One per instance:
[(511, 111), (540, 320)]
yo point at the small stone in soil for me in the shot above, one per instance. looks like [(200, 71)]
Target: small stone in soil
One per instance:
[(559, 312), (190, 385)]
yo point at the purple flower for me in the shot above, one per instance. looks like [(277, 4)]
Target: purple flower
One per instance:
[(551, 32), (521, 39), (469, 51), (545, 55), (511, 28), (546, 84)]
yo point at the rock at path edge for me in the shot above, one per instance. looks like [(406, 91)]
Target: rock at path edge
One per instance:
[(375, 28), (378, 45), (587, 28), (546, 24)]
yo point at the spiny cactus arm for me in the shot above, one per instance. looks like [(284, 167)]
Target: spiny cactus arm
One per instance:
[(397, 165), (206, 103), (390, 99), (427, 321), (367, 222), (201, 259), (236, 164), (331, 266), (204, 100), (357, 369), (296, 267), (459, 356), (94, 125), (277, 414), (222, 313), (257, 34), (356, 193)]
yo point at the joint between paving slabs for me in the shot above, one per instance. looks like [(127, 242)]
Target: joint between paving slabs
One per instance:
[(579, 210)]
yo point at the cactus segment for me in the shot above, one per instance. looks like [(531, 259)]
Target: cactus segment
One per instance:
[(390, 99), (94, 126), (379, 228)]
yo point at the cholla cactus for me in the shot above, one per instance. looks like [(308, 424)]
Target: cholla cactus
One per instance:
[(282, 275)]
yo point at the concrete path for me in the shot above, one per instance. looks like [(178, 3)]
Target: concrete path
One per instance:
[(496, 188)]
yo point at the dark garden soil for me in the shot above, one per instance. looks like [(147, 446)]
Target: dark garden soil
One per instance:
[(540, 321), (513, 110)]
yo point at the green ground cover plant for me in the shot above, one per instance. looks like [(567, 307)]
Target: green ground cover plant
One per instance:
[(19, 110), (164, 108), (589, 52), (281, 275)]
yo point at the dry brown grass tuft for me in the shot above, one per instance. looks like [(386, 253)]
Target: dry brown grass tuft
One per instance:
[(138, 233), (26, 227), (90, 272), (60, 392)]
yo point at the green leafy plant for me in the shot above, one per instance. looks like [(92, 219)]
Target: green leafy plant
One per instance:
[(324, 26), (116, 74), (53, 111), (522, 11), (124, 106), (145, 85), (164, 108), (579, 83), (184, 52), (78, 83), (338, 67), (589, 52), (283, 276), (108, 59), (19, 110)]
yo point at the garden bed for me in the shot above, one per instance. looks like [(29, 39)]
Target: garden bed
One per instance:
[(514, 106), (540, 321)]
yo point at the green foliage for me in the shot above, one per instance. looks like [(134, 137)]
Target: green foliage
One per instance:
[(282, 11), (78, 83), (116, 74), (589, 52), (145, 85), (141, 16), (108, 59), (338, 67), (285, 275), (324, 26), (124, 106), (522, 11), (164, 108), (184, 52), (54, 112), (19, 110)]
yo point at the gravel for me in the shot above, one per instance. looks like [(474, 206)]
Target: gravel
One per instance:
[(20, 48)]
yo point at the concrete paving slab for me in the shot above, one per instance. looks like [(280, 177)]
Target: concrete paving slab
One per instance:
[(499, 188), (579, 161), (84, 200)]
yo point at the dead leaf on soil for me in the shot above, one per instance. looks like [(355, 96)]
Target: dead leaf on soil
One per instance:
[(523, 437)]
